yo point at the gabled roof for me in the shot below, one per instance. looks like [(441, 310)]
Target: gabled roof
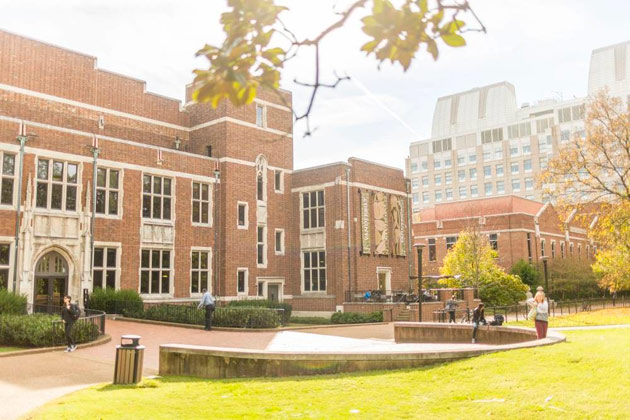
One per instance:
[(481, 207)]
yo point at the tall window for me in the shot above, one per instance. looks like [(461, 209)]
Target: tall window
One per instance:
[(313, 209), (432, 256), (450, 242), (107, 191), (156, 197), (278, 181), (155, 271), (261, 246), (553, 249), (494, 241), (105, 265), (260, 115), (487, 188), (4, 266), (8, 179), (314, 271), (199, 271), (241, 217), (529, 246), (200, 203), (56, 185), (242, 275), (473, 191), (542, 247), (571, 249), (579, 251), (561, 249), (279, 246)]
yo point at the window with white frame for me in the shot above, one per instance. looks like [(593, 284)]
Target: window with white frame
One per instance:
[(200, 203), (278, 181), (472, 173), (448, 178), (414, 167), (432, 250), (543, 161), (500, 187), (415, 184), (200, 266), (516, 185), (526, 146), (487, 171), (416, 198), (473, 191), (424, 164), (461, 175), (57, 184), (279, 245), (450, 242), (462, 192), (5, 252), (499, 170), (448, 162), (437, 164), (425, 197), (438, 196), (242, 220), (437, 179), (565, 135), (261, 246), (571, 248), (527, 165), (487, 154), (261, 178), (105, 268), (542, 247), (449, 193), (461, 157), (155, 272), (514, 148), (314, 271), (107, 191), (313, 210), (514, 168), (553, 249), (498, 152), (156, 197), (260, 116), (425, 181), (529, 184), (472, 156), (8, 178), (494, 241), (242, 280), (561, 249), (488, 188)]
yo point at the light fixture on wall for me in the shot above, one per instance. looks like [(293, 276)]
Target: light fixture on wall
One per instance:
[(178, 142)]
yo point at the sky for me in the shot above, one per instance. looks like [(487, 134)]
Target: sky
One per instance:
[(542, 47)]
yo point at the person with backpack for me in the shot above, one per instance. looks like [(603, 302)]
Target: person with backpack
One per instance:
[(70, 313)]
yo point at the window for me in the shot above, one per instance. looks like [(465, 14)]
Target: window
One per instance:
[(488, 188), (461, 157), (529, 184), (513, 131), (473, 191), (425, 181), (260, 187), (578, 112), (527, 147), (487, 171), (278, 181), (588, 252), (432, 256), (527, 165), (499, 170), (448, 178), (200, 203), (425, 197), (486, 137), (314, 270), (449, 193), (437, 180), (553, 249), (416, 198), (561, 249), (209, 151), (564, 115), (516, 185), (472, 173), (260, 116), (487, 155), (450, 242), (414, 168), (472, 157), (414, 183), (579, 251), (437, 164), (565, 135), (242, 221), (313, 209), (438, 196), (279, 242), (199, 271), (500, 187), (498, 152), (513, 149), (529, 246), (514, 168), (261, 246), (156, 197), (448, 162), (105, 266), (56, 185), (462, 192), (155, 272), (543, 124), (525, 129), (571, 248), (424, 165), (4, 266), (542, 247), (261, 288), (107, 191), (8, 179), (441, 145), (461, 175), (242, 277), (494, 241), (543, 161)]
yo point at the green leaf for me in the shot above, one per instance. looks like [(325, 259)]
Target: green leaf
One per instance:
[(454, 40)]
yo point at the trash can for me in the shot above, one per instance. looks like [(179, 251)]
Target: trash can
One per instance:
[(129, 358)]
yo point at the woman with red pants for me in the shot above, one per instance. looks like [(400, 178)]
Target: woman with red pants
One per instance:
[(542, 314)]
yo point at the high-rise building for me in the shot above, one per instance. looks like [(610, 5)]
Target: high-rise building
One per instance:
[(483, 145)]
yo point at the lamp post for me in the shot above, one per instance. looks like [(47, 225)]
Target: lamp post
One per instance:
[(215, 222), (544, 260), (419, 247)]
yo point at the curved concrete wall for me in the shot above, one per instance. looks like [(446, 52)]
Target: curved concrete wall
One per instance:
[(413, 332)]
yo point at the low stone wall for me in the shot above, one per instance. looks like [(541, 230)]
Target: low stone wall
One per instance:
[(409, 332)]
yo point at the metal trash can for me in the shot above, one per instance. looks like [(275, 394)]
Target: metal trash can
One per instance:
[(129, 358)]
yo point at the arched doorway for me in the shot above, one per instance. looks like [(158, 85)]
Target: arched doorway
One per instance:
[(51, 279)]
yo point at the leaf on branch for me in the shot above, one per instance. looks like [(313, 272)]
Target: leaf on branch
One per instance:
[(453, 40)]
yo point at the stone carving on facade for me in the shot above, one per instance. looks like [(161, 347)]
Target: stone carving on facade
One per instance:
[(381, 225), (366, 243)]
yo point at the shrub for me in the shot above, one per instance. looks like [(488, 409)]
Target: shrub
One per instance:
[(356, 317), (311, 320), (238, 317), (260, 303), (11, 303), (41, 330), (125, 301), (529, 273)]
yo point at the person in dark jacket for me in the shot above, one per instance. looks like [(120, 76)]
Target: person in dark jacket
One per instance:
[(69, 314), (478, 318), (451, 307)]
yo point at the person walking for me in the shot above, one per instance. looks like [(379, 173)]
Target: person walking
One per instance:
[(69, 314), (207, 301), (451, 307), (477, 319), (542, 314)]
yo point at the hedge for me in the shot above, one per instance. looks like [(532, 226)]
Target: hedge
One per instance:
[(310, 320), (39, 330), (356, 317), (260, 303), (223, 317), (11, 303), (125, 301)]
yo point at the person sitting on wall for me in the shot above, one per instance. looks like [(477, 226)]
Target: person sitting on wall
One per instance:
[(478, 318)]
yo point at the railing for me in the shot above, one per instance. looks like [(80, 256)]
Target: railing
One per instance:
[(379, 297), (89, 326)]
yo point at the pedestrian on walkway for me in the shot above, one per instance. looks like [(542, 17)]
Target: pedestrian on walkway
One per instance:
[(207, 301), (69, 315), (542, 314), (478, 318), (451, 307)]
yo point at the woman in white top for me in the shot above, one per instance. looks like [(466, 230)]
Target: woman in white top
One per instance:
[(542, 314)]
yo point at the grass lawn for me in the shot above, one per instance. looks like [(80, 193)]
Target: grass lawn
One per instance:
[(7, 349), (588, 377), (601, 317)]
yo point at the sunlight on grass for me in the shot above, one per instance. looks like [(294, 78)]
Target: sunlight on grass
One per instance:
[(8, 349), (602, 317)]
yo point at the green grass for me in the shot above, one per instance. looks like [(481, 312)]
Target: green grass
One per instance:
[(602, 317), (8, 349), (588, 377)]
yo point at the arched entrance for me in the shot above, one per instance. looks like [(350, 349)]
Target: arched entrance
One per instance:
[(51, 279)]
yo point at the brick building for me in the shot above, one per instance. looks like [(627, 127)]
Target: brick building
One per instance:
[(516, 227), (187, 196)]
